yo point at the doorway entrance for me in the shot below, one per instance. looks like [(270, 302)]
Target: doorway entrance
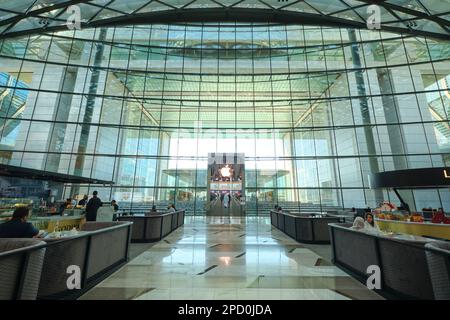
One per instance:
[(226, 184)]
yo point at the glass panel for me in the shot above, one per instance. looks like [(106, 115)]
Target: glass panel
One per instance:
[(313, 113)]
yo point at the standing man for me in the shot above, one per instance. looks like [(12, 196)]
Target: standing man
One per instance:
[(115, 205), (92, 207)]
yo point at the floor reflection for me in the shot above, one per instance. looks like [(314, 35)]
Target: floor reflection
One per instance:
[(229, 258)]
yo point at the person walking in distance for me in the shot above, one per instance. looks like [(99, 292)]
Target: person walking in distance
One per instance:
[(92, 207)]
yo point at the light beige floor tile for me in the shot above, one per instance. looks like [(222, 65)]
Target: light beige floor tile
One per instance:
[(230, 258)]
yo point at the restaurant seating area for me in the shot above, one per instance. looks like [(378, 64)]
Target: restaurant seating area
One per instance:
[(40, 269), (411, 267)]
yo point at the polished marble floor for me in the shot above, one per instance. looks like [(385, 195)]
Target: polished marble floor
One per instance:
[(239, 258)]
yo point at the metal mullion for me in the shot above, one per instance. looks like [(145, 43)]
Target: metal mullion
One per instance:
[(10, 103), (419, 15), (432, 62), (121, 97), (94, 154), (161, 133), (254, 125), (314, 8), (188, 4), (296, 129), (58, 105), (101, 9), (417, 100), (421, 118), (198, 132), (158, 165), (250, 158), (374, 124), (289, 4), (217, 91), (31, 6), (14, 90), (335, 163), (79, 124), (161, 2), (179, 125), (120, 125), (140, 123), (155, 19), (353, 121), (117, 157), (22, 16), (291, 131), (138, 71), (17, 19), (349, 8), (141, 7), (235, 94), (220, 4), (275, 187), (332, 45), (394, 101), (312, 124), (76, 127), (424, 7)]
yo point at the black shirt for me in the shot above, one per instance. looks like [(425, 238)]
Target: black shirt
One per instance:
[(82, 202), (17, 229), (62, 207), (92, 208)]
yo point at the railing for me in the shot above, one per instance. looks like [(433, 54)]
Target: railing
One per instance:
[(304, 227), (153, 227), (403, 261), (97, 253), (21, 263), (41, 269)]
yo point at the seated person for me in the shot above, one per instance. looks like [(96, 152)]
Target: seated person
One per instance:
[(64, 206), (367, 226), (18, 227), (369, 221), (280, 209), (358, 223), (83, 201), (171, 208)]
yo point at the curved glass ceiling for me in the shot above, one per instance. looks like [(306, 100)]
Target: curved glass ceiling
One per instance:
[(417, 17)]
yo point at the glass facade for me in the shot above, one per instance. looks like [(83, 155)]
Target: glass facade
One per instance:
[(417, 17), (315, 110)]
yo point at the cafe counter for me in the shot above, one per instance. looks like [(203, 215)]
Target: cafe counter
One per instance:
[(424, 229), (57, 223)]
